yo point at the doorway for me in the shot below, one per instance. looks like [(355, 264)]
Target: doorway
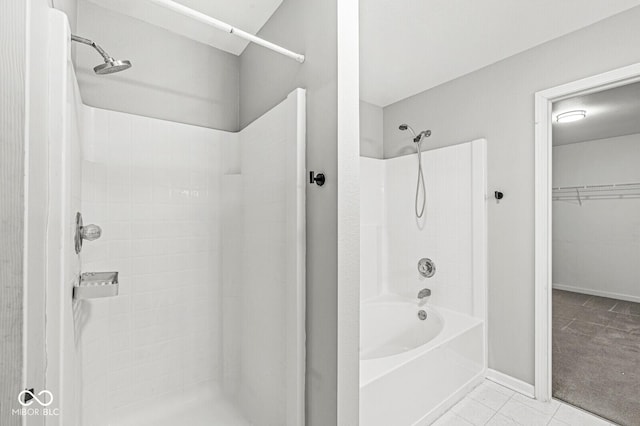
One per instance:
[(587, 269)]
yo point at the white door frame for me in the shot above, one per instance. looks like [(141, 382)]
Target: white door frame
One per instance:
[(543, 182)]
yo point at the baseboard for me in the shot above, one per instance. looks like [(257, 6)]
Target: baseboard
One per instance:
[(511, 382), (600, 293)]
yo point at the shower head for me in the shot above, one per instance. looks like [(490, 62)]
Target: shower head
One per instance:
[(419, 136), (110, 65), (404, 127)]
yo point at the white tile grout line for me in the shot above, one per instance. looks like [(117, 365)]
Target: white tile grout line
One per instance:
[(553, 416)]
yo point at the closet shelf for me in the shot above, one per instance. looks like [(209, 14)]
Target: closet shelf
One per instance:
[(597, 192)]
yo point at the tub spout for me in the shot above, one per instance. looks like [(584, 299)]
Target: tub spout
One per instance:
[(425, 292)]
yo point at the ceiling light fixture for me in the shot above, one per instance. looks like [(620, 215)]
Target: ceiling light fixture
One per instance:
[(569, 116)]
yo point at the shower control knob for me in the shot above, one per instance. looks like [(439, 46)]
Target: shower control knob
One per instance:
[(426, 267), (90, 232)]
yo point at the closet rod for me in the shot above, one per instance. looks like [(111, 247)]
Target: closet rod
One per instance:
[(206, 19)]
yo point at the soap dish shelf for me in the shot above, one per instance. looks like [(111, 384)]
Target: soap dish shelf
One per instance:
[(95, 285)]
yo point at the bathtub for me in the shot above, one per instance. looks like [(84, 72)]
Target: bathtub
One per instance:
[(412, 370)]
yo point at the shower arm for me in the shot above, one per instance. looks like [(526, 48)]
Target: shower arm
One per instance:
[(93, 44)]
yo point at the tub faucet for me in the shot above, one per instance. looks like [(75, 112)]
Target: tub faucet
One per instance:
[(425, 292)]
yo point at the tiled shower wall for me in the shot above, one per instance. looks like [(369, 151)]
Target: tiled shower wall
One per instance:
[(154, 188)]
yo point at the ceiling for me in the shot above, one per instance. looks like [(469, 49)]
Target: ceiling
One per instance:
[(247, 15), (610, 113), (408, 46)]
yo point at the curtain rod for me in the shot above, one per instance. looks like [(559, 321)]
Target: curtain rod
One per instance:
[(206, 19)]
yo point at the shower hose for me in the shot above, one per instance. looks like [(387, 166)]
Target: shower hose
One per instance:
[(420, 183)]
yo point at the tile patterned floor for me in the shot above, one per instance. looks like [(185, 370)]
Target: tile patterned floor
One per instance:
[(493, 405), (596, 355)]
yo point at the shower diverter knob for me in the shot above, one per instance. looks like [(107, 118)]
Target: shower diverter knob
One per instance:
[(90, 232)]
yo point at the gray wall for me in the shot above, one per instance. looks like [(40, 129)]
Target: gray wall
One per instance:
[(12, 122), (497, 102), (172, 78), (371, 130), (309, 27)]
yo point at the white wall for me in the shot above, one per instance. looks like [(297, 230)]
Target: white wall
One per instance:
[(172, 78), (371, 130), (310, 27), (496, 102), (596, 246), (393, 240), (154, 188)]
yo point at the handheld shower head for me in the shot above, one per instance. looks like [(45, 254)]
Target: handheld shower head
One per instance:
[(417, 140), (110, 65), (404, 127), (419, 136)]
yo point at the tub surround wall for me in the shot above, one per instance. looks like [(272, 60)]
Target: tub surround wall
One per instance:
[(372, 227), (444, 234), (393, 240), (596, 245), (496, 102)]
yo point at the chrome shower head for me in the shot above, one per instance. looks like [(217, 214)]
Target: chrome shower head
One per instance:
[(404, 127), (110, 65), (416, 138)]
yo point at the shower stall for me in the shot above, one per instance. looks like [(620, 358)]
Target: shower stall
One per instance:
[(206, 229)]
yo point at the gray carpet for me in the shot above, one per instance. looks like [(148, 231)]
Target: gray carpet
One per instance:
[(596, 355)]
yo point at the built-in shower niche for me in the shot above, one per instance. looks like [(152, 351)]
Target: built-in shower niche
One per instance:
[(196, 329)]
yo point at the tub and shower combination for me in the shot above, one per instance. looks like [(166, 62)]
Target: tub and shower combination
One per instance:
[(419, 356)]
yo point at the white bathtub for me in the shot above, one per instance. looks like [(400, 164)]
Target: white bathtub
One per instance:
[(412, 371)]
